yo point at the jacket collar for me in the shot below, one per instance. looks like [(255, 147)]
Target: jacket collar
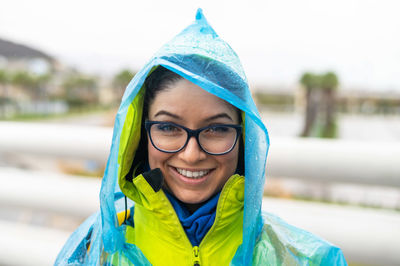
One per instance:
[(142, 191)]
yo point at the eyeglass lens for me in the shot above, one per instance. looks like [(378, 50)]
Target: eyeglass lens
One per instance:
[(216, 139)]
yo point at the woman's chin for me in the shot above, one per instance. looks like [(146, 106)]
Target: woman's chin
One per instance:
[(191, 197), (187, 196)]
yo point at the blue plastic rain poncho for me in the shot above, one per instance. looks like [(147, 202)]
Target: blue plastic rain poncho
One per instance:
[(200, 56)]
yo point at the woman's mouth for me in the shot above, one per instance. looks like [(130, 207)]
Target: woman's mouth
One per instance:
[(192, 174)]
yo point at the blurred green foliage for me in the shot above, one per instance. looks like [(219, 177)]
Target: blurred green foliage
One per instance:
[(25, 94), (320, 104), (121, 81), (80, 91), (275, 102), (4, 77)]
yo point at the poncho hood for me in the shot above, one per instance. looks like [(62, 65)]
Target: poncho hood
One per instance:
[(202, 57)]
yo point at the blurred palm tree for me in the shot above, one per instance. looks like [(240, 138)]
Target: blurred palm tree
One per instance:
[(320, 94), (25, 81), (80, 91), (310, 82), (120, 81), (33, 85), (329, 84), (4, 79), (42, 82)]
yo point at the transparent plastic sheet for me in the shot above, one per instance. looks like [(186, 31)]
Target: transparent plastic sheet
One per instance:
[(199, 55), (284, 244), (75, 249)]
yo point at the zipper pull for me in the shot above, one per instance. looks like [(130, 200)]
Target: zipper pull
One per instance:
[(196, 258)]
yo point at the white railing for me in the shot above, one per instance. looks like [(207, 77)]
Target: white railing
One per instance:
[(49, 192), (367, 162), (22, 244), (79, 142), (375, 163)]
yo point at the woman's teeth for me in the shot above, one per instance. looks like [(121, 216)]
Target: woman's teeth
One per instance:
[(194, 175)]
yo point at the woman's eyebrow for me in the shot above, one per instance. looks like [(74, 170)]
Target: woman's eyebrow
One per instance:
[(162, 112), (221, 115)]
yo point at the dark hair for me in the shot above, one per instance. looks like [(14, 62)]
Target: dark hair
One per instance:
[(160, 79)]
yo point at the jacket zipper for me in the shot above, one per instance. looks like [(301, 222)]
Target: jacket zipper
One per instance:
[(196, 257), (195, 249), (217, 217)]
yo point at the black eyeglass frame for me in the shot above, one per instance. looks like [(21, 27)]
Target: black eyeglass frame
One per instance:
[(192, 133)]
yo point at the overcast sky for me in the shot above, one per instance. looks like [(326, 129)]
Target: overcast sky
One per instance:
[(276, 40)]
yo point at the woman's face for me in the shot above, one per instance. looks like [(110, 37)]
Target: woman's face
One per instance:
[(186, 104)]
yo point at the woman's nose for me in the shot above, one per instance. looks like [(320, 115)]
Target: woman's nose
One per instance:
[(192, 152)]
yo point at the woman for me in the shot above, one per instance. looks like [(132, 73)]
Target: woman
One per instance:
[(185, 176)]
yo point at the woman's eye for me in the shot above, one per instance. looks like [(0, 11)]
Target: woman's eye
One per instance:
[(218, 130), (168, 128), (166, 131)]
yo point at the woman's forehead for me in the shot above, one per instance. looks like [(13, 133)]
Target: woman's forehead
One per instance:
[(185, 98)]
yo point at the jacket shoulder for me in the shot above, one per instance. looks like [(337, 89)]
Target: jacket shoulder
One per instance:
[(282, 244)]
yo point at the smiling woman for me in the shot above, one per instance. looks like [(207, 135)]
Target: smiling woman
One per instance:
[(185, 176), (190, 172)]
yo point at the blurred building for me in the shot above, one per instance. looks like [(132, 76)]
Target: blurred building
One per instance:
[(34, 82), (27, 78), (18, 57)]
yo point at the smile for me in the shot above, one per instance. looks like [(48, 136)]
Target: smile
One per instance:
[(192, 174)]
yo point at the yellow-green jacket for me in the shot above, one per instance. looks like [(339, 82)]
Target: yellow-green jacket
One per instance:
[(158, 233)]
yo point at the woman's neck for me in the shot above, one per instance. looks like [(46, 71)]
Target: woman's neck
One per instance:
[(192, 207)]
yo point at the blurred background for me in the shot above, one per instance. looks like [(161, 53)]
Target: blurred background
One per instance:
[(324, 75)]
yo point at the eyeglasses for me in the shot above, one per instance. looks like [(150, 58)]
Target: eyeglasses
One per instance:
[(214, 139)]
